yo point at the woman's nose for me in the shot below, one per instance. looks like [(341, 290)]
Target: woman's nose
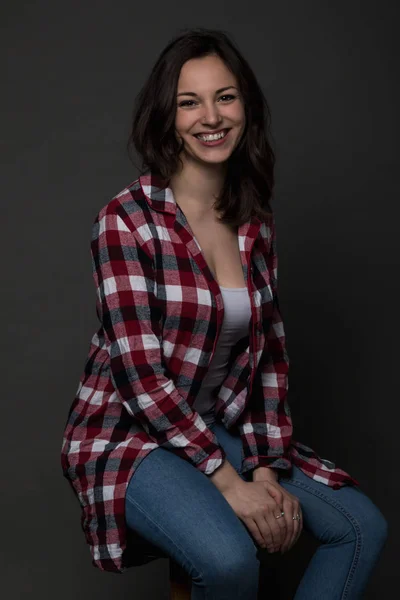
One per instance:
[(211, 115)]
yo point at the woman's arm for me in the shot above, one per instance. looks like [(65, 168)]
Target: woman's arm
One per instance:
[(266, 425), (129, 311)]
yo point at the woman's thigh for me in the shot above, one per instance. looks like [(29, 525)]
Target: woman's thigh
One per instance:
[(176, 507), (345, 514), (329, 515)]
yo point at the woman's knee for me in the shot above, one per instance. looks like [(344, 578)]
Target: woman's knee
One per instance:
[(230, 564), (375, 527), (369, 524)]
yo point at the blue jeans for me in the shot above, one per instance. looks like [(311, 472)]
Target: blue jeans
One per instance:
[(176, 507)]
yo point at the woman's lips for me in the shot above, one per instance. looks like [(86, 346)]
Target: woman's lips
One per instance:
[(213, 142), (213, 133)]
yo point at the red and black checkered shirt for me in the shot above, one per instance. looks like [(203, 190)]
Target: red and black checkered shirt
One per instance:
[(160, 311)]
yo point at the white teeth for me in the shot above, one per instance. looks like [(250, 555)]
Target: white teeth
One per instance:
[(211, 138)]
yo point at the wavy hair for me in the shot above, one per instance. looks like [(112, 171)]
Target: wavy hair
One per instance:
[(249, 181)]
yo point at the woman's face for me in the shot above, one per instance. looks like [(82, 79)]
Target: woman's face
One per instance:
[(204, 105)]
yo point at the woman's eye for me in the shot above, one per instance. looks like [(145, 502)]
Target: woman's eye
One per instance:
[(185, 102), (228, 96), (188, 102)]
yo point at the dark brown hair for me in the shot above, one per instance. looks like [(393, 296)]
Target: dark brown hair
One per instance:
[(249, 181)]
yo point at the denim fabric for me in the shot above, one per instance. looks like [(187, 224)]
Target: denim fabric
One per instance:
[(177, 508)]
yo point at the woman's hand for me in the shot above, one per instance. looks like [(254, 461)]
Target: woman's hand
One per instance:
[(290, 506), (257, 506)]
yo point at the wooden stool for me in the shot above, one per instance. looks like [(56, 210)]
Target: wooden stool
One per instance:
[(180, 582)]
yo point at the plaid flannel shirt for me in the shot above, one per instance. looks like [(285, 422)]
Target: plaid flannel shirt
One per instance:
[(160, 311)]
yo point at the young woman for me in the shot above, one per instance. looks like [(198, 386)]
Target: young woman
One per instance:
[(180, 435)]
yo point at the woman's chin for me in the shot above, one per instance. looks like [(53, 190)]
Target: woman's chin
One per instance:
[(210, 158)]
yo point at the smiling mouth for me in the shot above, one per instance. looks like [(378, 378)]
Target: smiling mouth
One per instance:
[(224, 131)]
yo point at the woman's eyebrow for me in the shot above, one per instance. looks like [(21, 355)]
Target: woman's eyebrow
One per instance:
[(217, 92)]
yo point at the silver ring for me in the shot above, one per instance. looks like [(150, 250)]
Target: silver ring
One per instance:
[(279, 516), (296, 518)]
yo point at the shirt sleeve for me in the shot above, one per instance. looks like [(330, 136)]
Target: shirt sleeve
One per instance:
[(266, 427), (131, 317)]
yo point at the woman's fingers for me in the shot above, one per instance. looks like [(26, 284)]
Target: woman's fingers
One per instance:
[(276, 521), (277, 527), (268, 539), (294, 526), (276, 531), (287, 509), (299, 527), (266, 529), (298, 523), (261, 535)]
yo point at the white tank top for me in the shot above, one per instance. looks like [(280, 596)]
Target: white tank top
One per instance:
[(237, 315)]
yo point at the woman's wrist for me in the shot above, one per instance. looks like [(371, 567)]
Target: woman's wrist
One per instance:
[(265, 474), (225, 476)]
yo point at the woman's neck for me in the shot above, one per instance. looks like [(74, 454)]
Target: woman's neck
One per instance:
[(196, 189)]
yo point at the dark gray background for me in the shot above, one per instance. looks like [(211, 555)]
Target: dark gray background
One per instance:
[(329, 71)]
